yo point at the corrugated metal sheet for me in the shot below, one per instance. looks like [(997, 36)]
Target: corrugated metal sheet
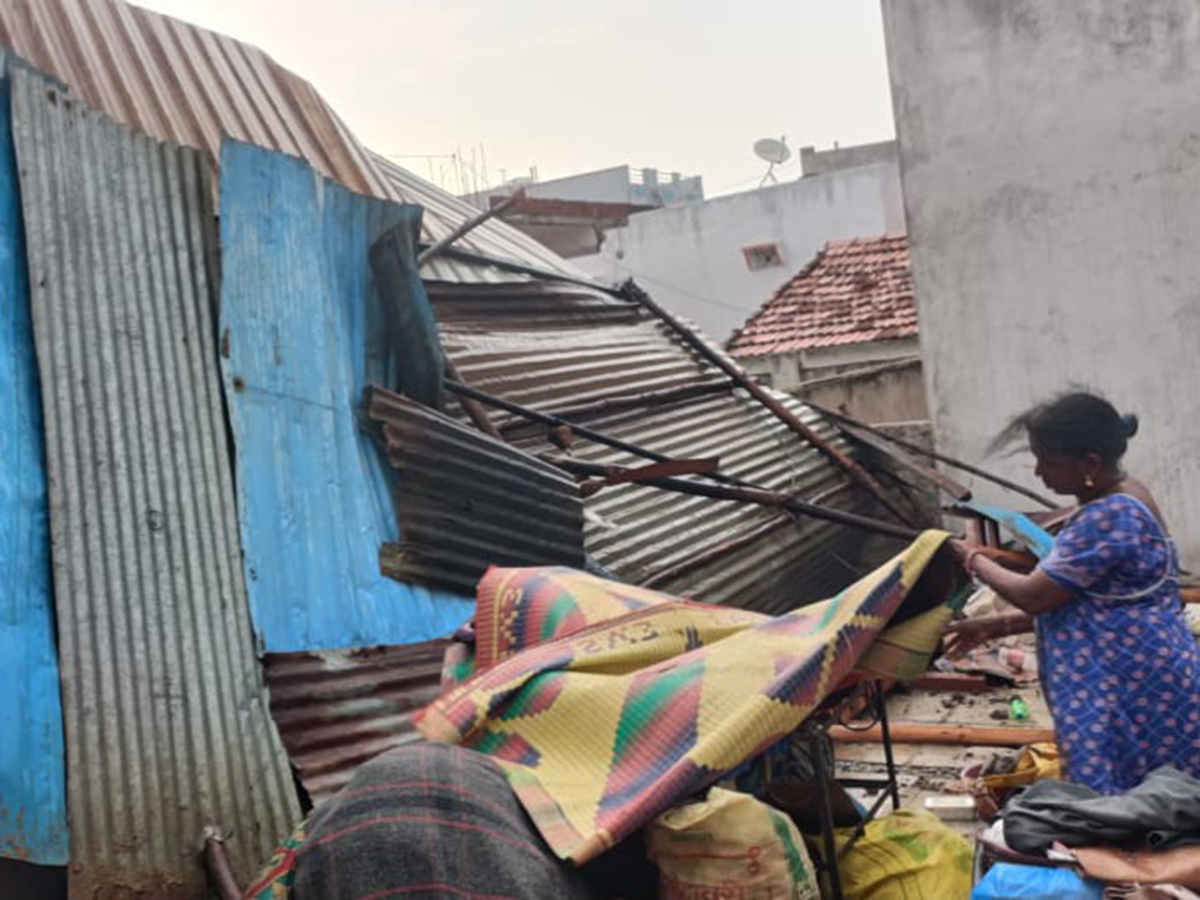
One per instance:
[(192, 86), (557, 348), (33, 805), (467, 501), (337, 709), (167, 727), (301, 338)]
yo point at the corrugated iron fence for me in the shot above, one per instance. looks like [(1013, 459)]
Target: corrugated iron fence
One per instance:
[(167, 727)]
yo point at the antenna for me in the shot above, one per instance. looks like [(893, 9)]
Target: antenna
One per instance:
[(772, 151)]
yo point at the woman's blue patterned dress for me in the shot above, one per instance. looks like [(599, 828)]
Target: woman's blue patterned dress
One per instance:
[(1119, 666)]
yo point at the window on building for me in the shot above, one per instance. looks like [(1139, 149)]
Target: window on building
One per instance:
[(762, 256), (763, 378)]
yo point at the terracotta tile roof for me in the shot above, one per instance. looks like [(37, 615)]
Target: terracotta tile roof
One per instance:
[(853, 292)]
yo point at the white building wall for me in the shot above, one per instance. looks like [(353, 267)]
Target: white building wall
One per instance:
[(690, 257), (1051, 163), (618, 184), (602, 186)]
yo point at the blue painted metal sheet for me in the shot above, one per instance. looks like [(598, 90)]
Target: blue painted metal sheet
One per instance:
[(1039, 541), (302, 334), (33, 812)]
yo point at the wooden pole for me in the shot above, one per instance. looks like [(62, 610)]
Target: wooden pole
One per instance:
[(940, 457), (758, 496)]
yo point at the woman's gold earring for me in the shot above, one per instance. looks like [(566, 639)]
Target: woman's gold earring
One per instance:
[(1088, 482)]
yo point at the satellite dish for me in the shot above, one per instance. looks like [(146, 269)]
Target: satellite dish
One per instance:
[(776, 152)]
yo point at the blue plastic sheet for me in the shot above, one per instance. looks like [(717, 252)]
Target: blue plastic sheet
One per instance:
[(1006, 881), (33, 812), (302, 332)]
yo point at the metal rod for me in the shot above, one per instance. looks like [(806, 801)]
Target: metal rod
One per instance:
[(533, 415), (466, 228), (746, 495), (637, 401), (824, 769), (882, 715), (473, 408), (940, 457), (781, 412), (220, 872)]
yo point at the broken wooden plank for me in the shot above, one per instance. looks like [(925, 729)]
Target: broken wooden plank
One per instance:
[(962, 735), (958, 682)]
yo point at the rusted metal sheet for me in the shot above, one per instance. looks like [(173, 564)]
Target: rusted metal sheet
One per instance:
[(337, 709), (562, 348), (192, 86), (466, 501), (166, 721)]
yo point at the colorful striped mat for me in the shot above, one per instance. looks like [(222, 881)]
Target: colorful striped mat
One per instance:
[(608, 704)]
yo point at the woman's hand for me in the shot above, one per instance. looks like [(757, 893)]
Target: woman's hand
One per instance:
[(967, 634), (962, 549)]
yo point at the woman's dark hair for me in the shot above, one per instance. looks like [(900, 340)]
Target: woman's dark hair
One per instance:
[(1073, 425)]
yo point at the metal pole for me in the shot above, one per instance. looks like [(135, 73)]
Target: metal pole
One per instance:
[(781, 412)]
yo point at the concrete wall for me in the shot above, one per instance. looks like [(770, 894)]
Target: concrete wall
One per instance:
[(690, 257), (788, 371), (1051, 165), (619, 184), (818, 162), (892, 392)]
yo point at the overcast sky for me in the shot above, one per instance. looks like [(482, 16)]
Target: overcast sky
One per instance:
[(569, 86)]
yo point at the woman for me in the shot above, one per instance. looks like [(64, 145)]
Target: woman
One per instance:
[(1120, 669)]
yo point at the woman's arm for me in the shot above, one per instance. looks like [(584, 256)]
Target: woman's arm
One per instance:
[(966, 634), (1035, 593)]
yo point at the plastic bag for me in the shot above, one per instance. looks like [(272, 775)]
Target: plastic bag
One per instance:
[(1037, 761), (906, 854), (1008, 881), (730, 845)]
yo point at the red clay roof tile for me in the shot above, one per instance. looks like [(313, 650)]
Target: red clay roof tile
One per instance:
[(853, 292)]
